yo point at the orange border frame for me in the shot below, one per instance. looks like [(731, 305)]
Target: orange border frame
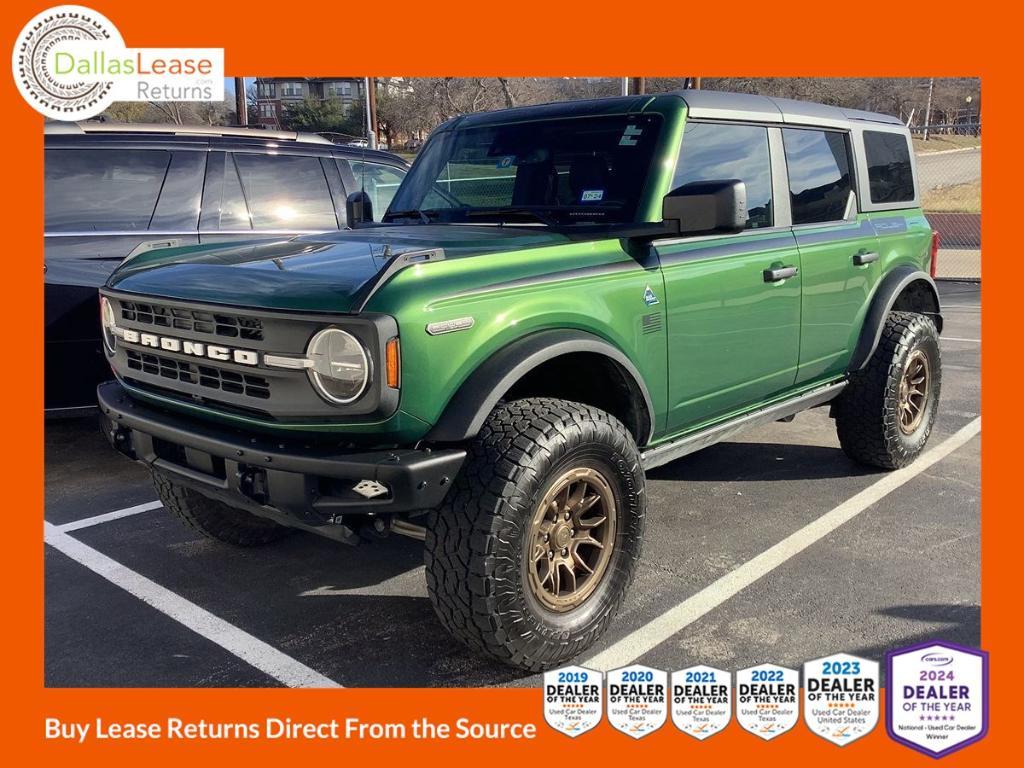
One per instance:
[(868, 38)]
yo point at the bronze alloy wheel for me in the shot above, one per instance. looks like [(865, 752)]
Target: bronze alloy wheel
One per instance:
[(914, 385), (571, 538)]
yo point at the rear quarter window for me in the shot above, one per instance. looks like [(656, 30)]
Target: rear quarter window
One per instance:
[(379, 181), (102, 190), (890, 178)]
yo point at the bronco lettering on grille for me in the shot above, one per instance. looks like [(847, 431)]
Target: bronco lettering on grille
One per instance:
[(194, 348)]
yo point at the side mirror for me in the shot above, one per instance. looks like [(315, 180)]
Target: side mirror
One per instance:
[(704, 207), (358, 208)]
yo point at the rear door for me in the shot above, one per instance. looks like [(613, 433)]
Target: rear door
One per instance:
[(733, 301), (839, 257)]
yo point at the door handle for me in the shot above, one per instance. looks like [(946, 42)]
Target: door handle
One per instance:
[(778, 274), (864, 257)]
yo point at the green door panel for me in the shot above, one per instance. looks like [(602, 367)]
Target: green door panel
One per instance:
[(733, 339), (835, 293)]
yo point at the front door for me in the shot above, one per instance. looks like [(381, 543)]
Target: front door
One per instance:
[(733, 301)]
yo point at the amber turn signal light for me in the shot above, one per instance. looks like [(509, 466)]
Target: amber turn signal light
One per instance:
[(392, 363)]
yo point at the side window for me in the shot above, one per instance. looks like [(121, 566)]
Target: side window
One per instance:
[(820, 182), (890, 178), (380, 182), (102, 190), (286, 192), (715, 152)]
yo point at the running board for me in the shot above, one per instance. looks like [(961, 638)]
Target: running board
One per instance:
[(684, 446)]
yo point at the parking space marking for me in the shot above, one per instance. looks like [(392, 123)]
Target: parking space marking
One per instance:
[(966, 341), (88, 522), (249, 649), (649, 636)]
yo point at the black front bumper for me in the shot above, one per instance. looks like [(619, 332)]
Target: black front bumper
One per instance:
[(298, 483)]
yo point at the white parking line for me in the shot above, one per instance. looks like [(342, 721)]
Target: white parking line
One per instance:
[(965, 341), (249, 649), (88, 522), (647, 637)]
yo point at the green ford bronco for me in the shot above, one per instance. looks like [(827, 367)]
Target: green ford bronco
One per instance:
[(558, 298)]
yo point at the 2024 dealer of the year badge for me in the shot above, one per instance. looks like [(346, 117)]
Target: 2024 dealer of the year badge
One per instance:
[(937, 700)]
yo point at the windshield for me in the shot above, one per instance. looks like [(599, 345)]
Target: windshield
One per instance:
[(559, 171)]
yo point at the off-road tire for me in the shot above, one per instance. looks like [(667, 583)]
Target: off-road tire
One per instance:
[(215, 519), (475, 542), (867, 412)]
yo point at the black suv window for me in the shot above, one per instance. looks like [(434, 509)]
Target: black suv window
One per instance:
[(713, 152), (820, 182), (379, 181), (286, 192), (102, 190), (889, 176)]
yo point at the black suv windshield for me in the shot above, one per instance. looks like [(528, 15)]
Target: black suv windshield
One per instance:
[(557, 171)]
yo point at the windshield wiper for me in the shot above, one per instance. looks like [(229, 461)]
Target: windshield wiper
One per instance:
[(423, 216), (543, 218)]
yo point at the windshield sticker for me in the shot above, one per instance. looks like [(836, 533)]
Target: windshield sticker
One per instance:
[(507, 161), (630, 135), (592, 195)]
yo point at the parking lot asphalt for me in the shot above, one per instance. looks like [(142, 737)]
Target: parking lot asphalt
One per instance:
[(771, 548)]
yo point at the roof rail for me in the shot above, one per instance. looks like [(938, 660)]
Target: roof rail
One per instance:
[(85, 127)]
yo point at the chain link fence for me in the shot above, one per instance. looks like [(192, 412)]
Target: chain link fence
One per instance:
[(949, 173)]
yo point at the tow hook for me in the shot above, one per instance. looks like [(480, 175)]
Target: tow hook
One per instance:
[(121, 438), (253, 483)]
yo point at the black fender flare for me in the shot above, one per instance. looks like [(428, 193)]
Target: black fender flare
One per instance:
[(888, 291), (480, 392)]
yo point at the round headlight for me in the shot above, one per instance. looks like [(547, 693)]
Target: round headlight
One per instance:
[(108, 322), (340, 369)]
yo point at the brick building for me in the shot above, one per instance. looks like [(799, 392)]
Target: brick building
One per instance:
[(274, 94)]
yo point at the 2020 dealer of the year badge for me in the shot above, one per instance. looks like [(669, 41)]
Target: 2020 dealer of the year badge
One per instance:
[(937, 700), (637, 700)]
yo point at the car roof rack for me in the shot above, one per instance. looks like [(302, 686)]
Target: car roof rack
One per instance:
[(86, 127)]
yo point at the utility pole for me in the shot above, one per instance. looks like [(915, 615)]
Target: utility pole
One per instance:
[(625, 86), (695, 83), (241, 108), (371, 111), (928, 108), (636, 86)]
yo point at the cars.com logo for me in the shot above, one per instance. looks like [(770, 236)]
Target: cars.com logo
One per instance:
[(937, 659)]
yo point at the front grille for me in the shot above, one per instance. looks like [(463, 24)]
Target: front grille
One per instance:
[(202, 375), (195, 320)]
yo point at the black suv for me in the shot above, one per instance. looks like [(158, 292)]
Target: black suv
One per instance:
[(117, 190)]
